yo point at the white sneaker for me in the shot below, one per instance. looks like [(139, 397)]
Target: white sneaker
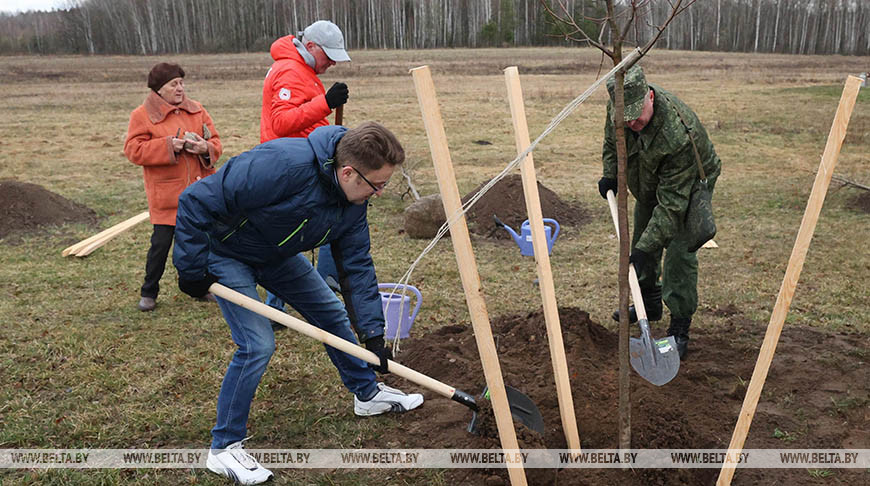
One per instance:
[(236, 464), (387, 400)]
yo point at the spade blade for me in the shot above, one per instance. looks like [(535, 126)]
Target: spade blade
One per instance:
[(656, 361), (522, 408), (525, 410)]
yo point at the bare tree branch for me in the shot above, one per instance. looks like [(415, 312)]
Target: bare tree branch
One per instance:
[(846, 182), (406, 173), (567, 19), (629, 17), (675, 10)]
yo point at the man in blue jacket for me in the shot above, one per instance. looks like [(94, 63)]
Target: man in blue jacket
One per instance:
[(249, 223)]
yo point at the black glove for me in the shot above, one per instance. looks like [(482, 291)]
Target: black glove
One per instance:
[(196, 288), (376, 345), (337, 95), (639, 258), (606, 184)]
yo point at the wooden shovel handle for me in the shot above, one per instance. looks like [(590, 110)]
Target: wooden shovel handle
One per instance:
[(339, 114), (336, 342), (636, 295)]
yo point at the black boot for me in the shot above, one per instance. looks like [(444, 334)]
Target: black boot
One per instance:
[(652, 303), (680, 331)]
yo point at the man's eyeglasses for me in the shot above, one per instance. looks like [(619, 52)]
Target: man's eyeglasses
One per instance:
[(374, 187)]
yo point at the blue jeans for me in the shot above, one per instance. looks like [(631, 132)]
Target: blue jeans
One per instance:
[(295, 281), (325, 267)]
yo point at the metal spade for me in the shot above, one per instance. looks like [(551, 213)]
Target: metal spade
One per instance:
[(655, 360), (522, 409)]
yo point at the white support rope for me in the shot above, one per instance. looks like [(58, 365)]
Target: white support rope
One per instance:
[(569, 108)]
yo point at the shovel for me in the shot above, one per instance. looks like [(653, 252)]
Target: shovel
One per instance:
[(655, 360), (521, 406), (522, 409)]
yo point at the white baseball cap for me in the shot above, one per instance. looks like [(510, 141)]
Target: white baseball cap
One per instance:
[(328, 36)]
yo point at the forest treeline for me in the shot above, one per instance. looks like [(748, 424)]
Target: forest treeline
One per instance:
[(191, 26)]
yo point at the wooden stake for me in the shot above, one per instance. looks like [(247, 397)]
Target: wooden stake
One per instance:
[(542, 258), (88, 249), (339, 115), (792, 274), (88, 245), (467, 267)]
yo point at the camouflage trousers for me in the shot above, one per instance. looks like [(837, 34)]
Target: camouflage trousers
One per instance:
[(677, 275)]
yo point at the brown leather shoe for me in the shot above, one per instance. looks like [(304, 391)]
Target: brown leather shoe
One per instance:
[(146, 304)]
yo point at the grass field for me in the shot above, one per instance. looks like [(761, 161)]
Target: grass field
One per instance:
[(81, 367)]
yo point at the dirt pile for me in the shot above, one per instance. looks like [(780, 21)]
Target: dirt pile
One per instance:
[(507, 201), (815, 396), (26, 208), (861, 202)]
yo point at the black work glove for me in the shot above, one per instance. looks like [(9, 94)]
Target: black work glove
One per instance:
[(196, 288), (337, 95), (606, 184), (640, 259), (376, 345)]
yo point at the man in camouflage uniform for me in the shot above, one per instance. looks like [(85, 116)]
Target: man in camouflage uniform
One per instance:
[(662, 174)]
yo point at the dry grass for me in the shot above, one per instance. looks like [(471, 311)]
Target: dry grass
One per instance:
[(81, 367)]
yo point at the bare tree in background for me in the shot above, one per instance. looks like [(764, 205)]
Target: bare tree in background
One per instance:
[(174, 26), (622, 18)]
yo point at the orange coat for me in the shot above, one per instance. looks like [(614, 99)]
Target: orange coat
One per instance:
[(294, 101), (149, 144)]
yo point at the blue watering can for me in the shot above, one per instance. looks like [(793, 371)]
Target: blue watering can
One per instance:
[(397, 308), (524, 239)]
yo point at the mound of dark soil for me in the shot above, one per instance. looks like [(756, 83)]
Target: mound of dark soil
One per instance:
[(812, 373), (506, 200), (25, 208), (861, 202)]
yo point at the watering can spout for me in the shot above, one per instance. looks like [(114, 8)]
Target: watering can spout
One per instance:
[(514, 235)]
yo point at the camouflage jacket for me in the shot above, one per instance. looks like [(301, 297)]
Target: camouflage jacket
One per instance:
[(661, 165)]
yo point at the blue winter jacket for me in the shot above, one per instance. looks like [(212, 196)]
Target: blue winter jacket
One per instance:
[(274, 201)]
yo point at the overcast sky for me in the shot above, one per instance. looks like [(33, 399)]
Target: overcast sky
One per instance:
[(24, 5)]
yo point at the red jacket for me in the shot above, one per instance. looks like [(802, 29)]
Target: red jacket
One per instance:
[(167, 174), (294, 101)]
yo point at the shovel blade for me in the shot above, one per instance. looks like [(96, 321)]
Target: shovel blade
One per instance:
[(522, 408), (656, 361), (525, 410)]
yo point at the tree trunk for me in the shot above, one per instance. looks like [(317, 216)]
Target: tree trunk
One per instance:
[(622, 202), (757, 25), (718, 20), (775, 27)]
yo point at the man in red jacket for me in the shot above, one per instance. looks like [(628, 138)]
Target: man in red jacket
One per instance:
[(295, 102)]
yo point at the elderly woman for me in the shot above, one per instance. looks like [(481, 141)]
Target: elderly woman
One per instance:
[(174, 140)]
